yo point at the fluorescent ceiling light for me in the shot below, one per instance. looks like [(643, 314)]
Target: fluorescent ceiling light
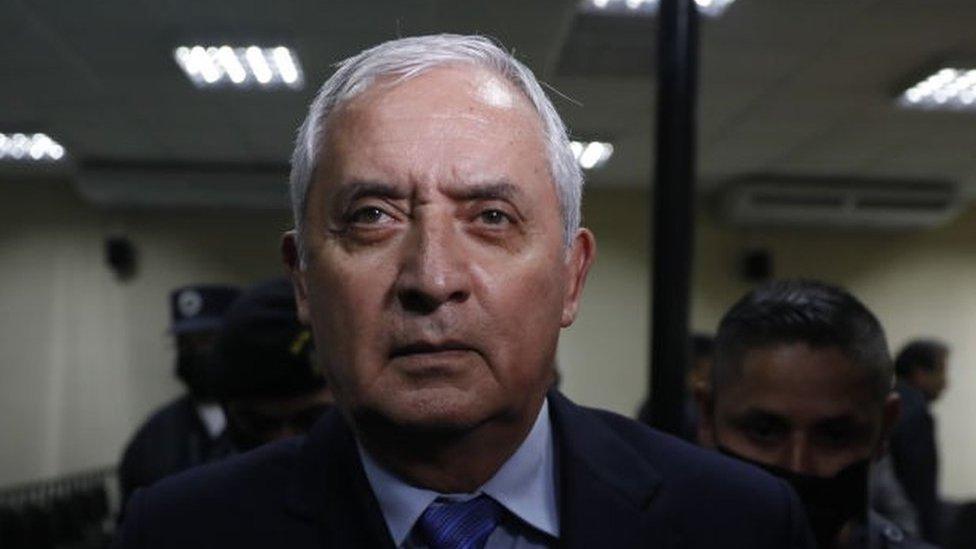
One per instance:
[(36, 147), (591, 154), (949, 88), (711, 8), (240, 67)]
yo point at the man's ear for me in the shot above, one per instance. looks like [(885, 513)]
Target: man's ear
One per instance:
[(890, 413), (706, 414), (581, 256), (295, 270)]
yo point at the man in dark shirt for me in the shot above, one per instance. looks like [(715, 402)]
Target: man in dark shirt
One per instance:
[(801, 386), (921, 367)]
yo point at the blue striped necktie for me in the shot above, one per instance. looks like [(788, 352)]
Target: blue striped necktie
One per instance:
[(464, 525)]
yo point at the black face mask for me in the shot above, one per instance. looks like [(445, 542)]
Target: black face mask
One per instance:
[(194, 369), (830, 502)]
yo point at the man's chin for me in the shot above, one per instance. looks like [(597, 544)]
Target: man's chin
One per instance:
[(444, 410)]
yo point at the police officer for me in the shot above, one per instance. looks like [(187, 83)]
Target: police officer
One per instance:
[(265, 377), (189, 430)]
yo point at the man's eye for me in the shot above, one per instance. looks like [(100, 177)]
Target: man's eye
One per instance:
[(494, 217), (368, 215), (764, 431), (837, 436)]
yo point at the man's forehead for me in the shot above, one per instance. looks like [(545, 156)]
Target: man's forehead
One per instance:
[(460, 90), (422, 132), (801, 367), (803, 381)]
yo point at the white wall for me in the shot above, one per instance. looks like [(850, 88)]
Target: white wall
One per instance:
[(83, 357)]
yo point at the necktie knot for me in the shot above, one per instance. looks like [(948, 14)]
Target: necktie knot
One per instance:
[(464, 525)]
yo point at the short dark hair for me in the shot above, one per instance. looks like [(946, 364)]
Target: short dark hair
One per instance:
[(802, 311), (702, 346), (919, 354)]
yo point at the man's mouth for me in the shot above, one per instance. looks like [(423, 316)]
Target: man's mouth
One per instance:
[(421, 348)]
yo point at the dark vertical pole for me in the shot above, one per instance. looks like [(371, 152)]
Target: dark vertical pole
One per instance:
[(673, 209)]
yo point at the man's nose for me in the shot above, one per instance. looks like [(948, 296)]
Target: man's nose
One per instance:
[(801, 456), (434, 269)]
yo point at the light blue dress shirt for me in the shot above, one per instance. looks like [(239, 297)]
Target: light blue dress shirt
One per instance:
[(525, 485)]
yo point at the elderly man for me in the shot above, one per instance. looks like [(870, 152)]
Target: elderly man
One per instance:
[(437, 254), (802, 386)]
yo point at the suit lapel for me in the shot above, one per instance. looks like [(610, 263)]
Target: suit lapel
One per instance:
[(331, 489), (606, 487)]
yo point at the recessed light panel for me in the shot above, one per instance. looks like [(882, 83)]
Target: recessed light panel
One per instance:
[(711, 8), (29, 147), (240, 67), (591, 154), (949, 88)]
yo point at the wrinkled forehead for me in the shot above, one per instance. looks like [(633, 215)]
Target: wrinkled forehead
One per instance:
[(464, 91), (454, 123)]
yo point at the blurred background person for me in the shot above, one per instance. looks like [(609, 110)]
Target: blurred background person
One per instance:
[(921, 367), (266, 379), (189, 430), (802, 388), (702, 356)]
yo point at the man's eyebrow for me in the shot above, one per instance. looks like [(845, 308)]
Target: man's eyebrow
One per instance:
[(495, 190), (355, 190), (846, 420), (757, 414)]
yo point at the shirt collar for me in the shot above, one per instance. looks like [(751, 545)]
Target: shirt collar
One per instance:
[(525, 485), (213, 419)]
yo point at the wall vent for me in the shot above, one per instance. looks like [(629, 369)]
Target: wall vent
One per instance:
[(864, 204), (155, 185)]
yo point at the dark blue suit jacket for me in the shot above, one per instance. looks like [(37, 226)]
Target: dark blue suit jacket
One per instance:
[(621, 485)]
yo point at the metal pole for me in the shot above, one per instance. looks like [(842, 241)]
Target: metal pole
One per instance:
[(673, 210)]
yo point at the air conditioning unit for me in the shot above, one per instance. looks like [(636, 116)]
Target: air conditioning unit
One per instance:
[(835, 203), (154, 186)]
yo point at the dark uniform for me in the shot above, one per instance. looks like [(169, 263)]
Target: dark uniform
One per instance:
[(884, 534), (172, 440)]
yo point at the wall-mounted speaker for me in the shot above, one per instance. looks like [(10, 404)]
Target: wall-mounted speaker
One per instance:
[(756, 265), (121, 256)]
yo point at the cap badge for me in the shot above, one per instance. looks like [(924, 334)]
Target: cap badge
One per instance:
[(190, 303)]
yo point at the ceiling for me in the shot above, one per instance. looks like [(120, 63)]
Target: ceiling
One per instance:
[(791, 87)]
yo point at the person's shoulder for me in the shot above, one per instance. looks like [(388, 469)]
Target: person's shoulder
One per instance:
[(709, 499), (215, 503), (161, 422), (255, 474), (912, 399), (915, 418), (886, 534), (163, 418)]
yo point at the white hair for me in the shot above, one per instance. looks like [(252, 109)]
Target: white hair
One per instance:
[(409, 57)]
